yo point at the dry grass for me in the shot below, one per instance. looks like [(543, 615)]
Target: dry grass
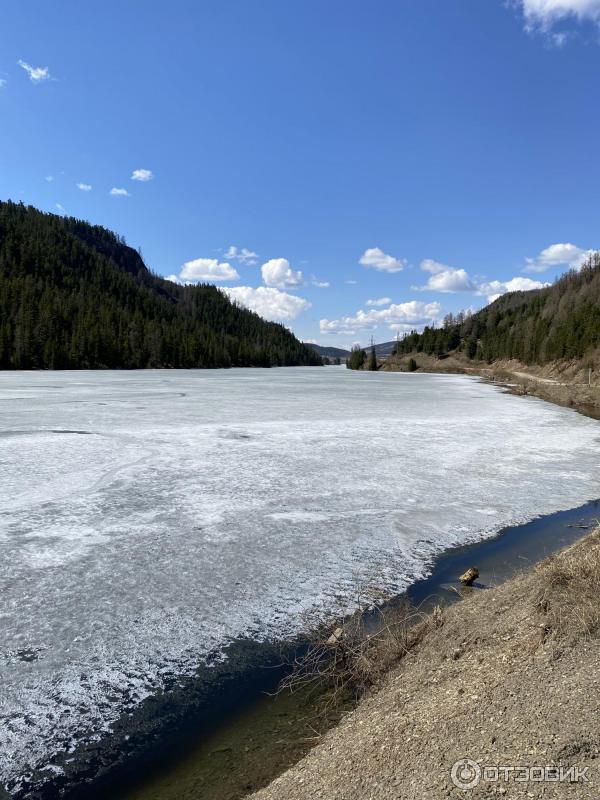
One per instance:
[(569, 593), (352, 656)]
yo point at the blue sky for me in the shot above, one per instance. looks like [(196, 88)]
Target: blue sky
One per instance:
[(311, 156)]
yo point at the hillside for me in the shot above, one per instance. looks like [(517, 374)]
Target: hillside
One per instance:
[(560, 322), (329, 352), (75, 296)]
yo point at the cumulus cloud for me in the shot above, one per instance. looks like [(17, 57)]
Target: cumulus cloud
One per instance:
[(243, 255), (268, 302), (398, 316), (558, 255), (85, 187), (143, 175), (445, 279), (49, 178), (448, 279), (351, 283), (116, 192), (320, 284), (277, 272), (207, 269), (36, 74), (494, 289), (382, 301), (543, 14), (375, 258)]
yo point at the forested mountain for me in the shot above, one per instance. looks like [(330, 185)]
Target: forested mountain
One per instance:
[(561, 321), (329, 352), (75, 296), (382, 350)]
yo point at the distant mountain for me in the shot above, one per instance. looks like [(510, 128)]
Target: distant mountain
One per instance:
[(329, 352), (560, 322), (384, 349), (75, 296)]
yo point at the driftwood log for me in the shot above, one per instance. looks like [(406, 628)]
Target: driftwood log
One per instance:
[(335, 638), (469, 577)]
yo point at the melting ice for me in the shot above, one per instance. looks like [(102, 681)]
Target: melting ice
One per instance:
[(148, 517)]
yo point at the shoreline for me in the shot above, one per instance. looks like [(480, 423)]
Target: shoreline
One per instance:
[(228, 762), (201, 734), (507, 677)]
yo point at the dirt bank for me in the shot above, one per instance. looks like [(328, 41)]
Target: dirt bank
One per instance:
[(507, 678), (565, 383)]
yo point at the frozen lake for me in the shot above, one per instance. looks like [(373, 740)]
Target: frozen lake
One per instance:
[(148, 518)]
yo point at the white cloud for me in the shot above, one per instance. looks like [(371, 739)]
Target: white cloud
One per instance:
[(174, 279), (375, 258), (36, 74), (445, 279), (268, 302), (49, 178), (494, 289), (543, 14), (243, 255), (3, 82), (143, 175), (278, 273), (558, 255), (85, 187), (351, 283), (448, 279), (404, 316), (208, 269), (382, 301), (320, 284), (61, 208), (115, 192)]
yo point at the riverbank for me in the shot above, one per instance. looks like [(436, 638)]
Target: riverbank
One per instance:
[(508, 678), (565, 383), (270, 734)]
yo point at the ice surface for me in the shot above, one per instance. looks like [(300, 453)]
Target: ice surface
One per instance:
[(146, 518)]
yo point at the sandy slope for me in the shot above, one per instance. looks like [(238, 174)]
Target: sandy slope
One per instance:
[(510, 677)]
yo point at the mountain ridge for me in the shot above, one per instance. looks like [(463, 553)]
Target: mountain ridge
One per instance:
[(75, 296), (328, 352)]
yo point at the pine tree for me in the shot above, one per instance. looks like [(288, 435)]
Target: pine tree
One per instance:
[(373, 358), (357, 358)]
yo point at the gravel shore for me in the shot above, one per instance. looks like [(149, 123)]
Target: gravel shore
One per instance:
[(507, 678)]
